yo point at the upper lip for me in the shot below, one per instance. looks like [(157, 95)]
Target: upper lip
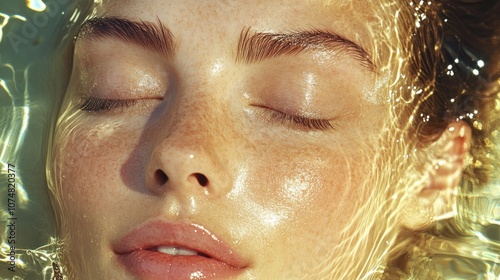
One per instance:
[(183, 235)]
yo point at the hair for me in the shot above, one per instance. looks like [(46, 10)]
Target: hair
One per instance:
[(454, 57)]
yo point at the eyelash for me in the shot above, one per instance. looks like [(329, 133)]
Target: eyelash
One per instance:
[(100, 104), (300, 121)]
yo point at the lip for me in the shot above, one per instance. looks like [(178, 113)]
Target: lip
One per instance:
[(135, 251)]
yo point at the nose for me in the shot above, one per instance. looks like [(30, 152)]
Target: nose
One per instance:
[(185, 163)]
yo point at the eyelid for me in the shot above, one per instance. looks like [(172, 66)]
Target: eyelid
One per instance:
[(297, 121)]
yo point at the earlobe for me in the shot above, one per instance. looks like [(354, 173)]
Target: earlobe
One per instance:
[(450, 151), (437, 200)]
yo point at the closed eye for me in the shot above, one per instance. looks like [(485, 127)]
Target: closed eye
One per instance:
[(93, 104), (99, 104), (296, 121)]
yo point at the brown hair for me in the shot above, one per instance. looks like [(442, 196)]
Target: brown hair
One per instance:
[(454, 51)]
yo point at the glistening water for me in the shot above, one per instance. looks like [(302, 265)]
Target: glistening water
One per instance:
[(463, 241)]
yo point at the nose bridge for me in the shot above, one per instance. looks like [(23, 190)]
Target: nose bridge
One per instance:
[(200, 119), (193, 128)]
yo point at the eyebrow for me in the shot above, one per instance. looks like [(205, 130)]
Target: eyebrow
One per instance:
[(253, 47), (258, 46), (152, 36)]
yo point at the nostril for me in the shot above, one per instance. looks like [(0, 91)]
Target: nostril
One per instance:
[(202, 179), (160, 177)]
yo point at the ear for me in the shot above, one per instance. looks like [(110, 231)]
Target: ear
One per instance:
[(437, 200)]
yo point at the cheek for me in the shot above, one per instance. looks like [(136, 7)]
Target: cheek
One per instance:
[(305, 184), (302, 201), (89, 160), (310, 190)]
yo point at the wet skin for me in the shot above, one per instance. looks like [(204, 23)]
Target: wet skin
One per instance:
[(272, 154)]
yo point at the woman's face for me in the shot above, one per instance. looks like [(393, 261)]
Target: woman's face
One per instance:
[(243, 132)]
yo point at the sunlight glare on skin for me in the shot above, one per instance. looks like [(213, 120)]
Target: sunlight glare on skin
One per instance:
[(217, 68), (310, 86)]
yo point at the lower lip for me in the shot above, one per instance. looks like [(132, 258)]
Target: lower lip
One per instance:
[(155, 265)]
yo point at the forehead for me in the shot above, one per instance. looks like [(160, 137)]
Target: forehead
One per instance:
[(198, 23), (350, 18), (370, 24)]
